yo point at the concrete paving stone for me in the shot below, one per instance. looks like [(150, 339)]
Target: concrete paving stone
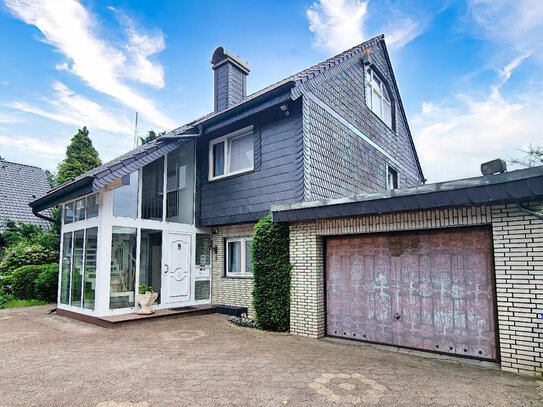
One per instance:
[(52, 361)]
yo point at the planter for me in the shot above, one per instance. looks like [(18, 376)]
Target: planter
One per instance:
[(145, 301)]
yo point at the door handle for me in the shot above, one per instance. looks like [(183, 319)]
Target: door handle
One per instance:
[(166, 268)]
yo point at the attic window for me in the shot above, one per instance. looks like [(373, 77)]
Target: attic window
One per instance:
[(377, 97), (392, 178), (231, 154)]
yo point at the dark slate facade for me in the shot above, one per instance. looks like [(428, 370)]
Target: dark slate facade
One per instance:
[(339, 161), (277, 176)]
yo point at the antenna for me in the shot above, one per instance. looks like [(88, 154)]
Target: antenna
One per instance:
[(136, 132)]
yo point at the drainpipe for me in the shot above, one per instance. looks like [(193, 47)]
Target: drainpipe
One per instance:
[(47, 218), (534, 213)]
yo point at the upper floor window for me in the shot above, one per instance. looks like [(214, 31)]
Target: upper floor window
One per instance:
[(377, 97), (392, 178), (231, 154), (81, 209)]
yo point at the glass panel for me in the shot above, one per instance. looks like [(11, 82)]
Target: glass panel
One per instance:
[(387, 114), (77, 273), (180, 185), (69, 213), (89, 282), (377, 103), (375, 82), (66, 269), (202, 290), (248, 257), (241, 153), (123, 268), (218, 159), (80, 210), (368, 95), (151, 259), (234, 257), (203, 249), (153, 190), (392, 179), (92, 206), (125, 198)]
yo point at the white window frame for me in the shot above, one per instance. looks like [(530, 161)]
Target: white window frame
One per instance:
[(246, 131), (78, 222), (389, 167), (243, 266), (382, 92)]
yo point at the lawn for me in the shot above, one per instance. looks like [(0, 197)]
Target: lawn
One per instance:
[(22, 303)]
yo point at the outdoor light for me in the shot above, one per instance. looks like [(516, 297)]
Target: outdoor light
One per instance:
[(496, 166), (366, 60)]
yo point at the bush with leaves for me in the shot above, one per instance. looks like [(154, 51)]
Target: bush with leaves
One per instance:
[(46, 285), (23, 282), (271, 271), (24, 255)]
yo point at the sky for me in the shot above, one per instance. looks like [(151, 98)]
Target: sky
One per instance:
[(469, 72)]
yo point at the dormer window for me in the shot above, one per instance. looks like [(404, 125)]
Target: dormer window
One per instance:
[(231, 154), (377, 97)]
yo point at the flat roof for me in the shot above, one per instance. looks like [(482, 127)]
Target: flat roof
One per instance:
[(518, 185)]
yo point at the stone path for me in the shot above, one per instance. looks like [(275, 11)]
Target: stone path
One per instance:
[(47, 360)]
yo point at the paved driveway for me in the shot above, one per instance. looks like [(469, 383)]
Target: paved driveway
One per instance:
[(47, 360)]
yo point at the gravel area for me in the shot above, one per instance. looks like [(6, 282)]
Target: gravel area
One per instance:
[(48, 360)]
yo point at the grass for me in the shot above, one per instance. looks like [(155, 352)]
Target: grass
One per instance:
[(23, 303)]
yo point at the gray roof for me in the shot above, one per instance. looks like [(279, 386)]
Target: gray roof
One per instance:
[(20, 184), (514, 186), (272, 95)]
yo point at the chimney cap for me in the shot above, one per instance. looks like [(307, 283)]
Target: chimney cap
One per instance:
[(221, 56)]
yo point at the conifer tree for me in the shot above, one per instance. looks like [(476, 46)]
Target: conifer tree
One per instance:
[(81, 157)]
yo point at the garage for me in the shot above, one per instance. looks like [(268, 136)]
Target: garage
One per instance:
[(424, 289)]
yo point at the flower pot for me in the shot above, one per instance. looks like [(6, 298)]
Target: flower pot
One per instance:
[(145, 301)]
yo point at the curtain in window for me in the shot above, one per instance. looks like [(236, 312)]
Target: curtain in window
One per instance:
[(241, 153), (234, 257), (218, 159)]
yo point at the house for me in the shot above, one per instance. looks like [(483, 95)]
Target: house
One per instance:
[(178, 213), (19, 185)]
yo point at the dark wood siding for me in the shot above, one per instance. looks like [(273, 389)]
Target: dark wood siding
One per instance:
[(277, 177)]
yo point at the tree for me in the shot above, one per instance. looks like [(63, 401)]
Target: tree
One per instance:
[(51, 178), (81, 157), (532, 158), (151, 135)]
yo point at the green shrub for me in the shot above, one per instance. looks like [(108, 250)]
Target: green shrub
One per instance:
[(23, 281), (5, 284), (271, 270), (46, 286), (24, 255)]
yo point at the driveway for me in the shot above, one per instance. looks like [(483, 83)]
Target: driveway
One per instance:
[(48, 360)]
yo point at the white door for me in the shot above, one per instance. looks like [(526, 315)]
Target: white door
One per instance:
[(176, 276)]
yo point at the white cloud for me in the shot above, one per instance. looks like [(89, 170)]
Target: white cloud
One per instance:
[(68, 26), (4, 118), (337, 24), (33, 146), (402, 31), (70, 108), (454, 138), (516, 25)]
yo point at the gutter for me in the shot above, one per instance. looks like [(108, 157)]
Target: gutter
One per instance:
[(47, 218), (534, 213)]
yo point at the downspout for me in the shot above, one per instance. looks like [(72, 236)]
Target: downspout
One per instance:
[(534, 213), (47, 218)]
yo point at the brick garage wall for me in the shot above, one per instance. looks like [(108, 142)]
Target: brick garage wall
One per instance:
[(230, 290), (518, 247)]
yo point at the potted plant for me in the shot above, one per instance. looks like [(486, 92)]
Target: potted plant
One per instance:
[(145, 298)]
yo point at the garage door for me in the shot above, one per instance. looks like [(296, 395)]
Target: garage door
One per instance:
[(430, 290)]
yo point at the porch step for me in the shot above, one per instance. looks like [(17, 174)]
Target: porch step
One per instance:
[(117, 321)]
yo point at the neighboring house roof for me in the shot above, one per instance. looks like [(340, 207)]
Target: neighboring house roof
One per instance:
[(514, 186), (289, 88), (19, 185)]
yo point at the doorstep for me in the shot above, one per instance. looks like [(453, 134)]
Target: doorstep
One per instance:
[(117, 321)]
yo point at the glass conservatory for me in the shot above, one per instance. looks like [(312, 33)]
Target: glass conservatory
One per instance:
[(138, 230)]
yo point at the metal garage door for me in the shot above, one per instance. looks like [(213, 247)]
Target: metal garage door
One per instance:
[(429, 290)]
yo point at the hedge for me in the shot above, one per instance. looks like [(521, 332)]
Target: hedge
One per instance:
[(271, 272), (24, 282), (24, 255), (46, 287)]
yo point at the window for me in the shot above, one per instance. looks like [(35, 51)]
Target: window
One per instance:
[(89, 282), (123, 268), (180, 185), (377, 97), (80, 209), (151, 259), (392, 178), (125, 197), (92, 206), (66, 271), (238, 257), (152, 190), (231, 154), (69, 213)]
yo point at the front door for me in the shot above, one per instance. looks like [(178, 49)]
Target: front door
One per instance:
[(177, 268)]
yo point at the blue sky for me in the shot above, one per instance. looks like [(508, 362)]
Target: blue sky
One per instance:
[(469, 71)]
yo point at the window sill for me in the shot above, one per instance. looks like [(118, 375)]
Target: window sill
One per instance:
[(238, 277), (231, 175)]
